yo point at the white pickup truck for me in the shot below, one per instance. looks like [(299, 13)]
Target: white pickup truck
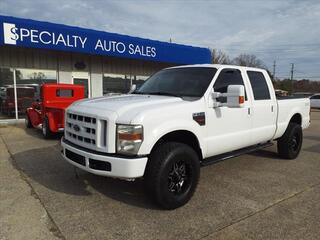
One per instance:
[(180, 119)]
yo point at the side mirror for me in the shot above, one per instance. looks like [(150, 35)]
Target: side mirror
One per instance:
[(235, 97), (133, 88)]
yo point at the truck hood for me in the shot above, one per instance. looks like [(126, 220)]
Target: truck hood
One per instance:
[(127, 104)]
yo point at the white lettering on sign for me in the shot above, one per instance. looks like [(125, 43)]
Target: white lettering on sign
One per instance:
[(14, 35), (45, 37), (82, 40), (145, 51), (110, 46), (120, 47), (9, 33)]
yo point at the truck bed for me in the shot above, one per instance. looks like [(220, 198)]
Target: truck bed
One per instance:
[(286, 109), (289, 97)]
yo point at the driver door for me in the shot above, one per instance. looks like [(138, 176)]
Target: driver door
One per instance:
[(228, 129)]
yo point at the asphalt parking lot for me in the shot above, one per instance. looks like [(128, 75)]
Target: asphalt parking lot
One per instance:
[(255, 196)]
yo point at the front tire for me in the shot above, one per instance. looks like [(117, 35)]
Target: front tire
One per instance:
[(172, 174), (46, 132), (27, 121), (289, 145)]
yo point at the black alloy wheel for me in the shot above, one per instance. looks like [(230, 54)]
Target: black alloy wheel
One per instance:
[(289, 145), (172, 174)]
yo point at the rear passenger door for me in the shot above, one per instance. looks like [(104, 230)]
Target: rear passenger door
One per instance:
[(263, 108)]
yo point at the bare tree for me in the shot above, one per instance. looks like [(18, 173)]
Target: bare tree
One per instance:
[(248, 60), (37, 75), (219, 57)]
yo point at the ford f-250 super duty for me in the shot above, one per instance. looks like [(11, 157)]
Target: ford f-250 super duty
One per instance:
[(179, 119)]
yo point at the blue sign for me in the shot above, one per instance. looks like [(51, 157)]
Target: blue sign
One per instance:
[(36, 34)]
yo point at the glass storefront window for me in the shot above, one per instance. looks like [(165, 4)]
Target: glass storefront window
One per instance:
[(7, 99), (120, 83), (28, 82), (116, 83), (138, 80)]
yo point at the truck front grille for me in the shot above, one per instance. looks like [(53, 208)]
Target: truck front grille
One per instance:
[(82, 118), (81, 129)]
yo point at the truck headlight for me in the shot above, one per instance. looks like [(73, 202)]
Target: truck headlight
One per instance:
[(129, 139)]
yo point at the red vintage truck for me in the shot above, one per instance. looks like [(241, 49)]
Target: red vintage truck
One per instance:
[(48, 113)]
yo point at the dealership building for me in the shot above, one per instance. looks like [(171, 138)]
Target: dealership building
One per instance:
[(35, 52)]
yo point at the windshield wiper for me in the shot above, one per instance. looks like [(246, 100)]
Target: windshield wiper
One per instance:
[(138, 93)]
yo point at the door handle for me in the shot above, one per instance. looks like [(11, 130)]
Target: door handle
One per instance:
[(249, 111), (272, 108)]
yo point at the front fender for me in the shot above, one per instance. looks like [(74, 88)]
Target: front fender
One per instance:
[(52, 122), (34, 117), (166, 127), (56, 119)]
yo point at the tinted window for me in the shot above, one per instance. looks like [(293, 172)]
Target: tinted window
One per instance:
[(64, 93), (227, 77), (191, 82), (259, 85), (315, 97)]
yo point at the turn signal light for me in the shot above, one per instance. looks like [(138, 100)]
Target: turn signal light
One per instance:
[(130, 136), (241, 99)]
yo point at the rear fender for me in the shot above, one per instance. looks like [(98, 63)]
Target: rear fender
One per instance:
[(283, 125)]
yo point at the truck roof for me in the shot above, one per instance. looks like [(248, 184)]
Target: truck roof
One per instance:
[(61, 85), (217, 66)]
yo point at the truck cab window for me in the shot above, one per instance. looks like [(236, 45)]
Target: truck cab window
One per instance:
[(227, 77), (259, 85), (64, 93)]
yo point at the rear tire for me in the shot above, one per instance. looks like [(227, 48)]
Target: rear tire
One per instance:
[(46, 132), (27, 121), (172, 174), (289, 145)]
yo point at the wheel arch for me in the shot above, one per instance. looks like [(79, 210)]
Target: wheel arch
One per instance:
[(182, 136), (296, 118), (282, 127)]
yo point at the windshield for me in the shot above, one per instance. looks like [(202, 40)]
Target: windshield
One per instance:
[(180, 82)]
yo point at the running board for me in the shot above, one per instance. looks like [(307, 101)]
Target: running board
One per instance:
[(225, 156)]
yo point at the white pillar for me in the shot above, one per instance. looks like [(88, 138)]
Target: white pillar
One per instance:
[(64, 76), (96, 84), (15, 92)]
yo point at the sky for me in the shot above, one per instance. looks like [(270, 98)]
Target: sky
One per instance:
[(285, 31)]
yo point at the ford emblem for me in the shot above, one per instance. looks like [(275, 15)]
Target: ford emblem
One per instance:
[(76, 128)]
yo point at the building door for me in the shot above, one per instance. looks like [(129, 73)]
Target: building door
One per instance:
[(82, 78)]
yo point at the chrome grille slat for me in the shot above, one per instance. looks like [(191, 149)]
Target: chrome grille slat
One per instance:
[(82, 123), (81, 129), (83, 134), (79, 138)]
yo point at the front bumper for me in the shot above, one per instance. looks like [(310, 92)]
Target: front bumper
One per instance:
[(104, 165)]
